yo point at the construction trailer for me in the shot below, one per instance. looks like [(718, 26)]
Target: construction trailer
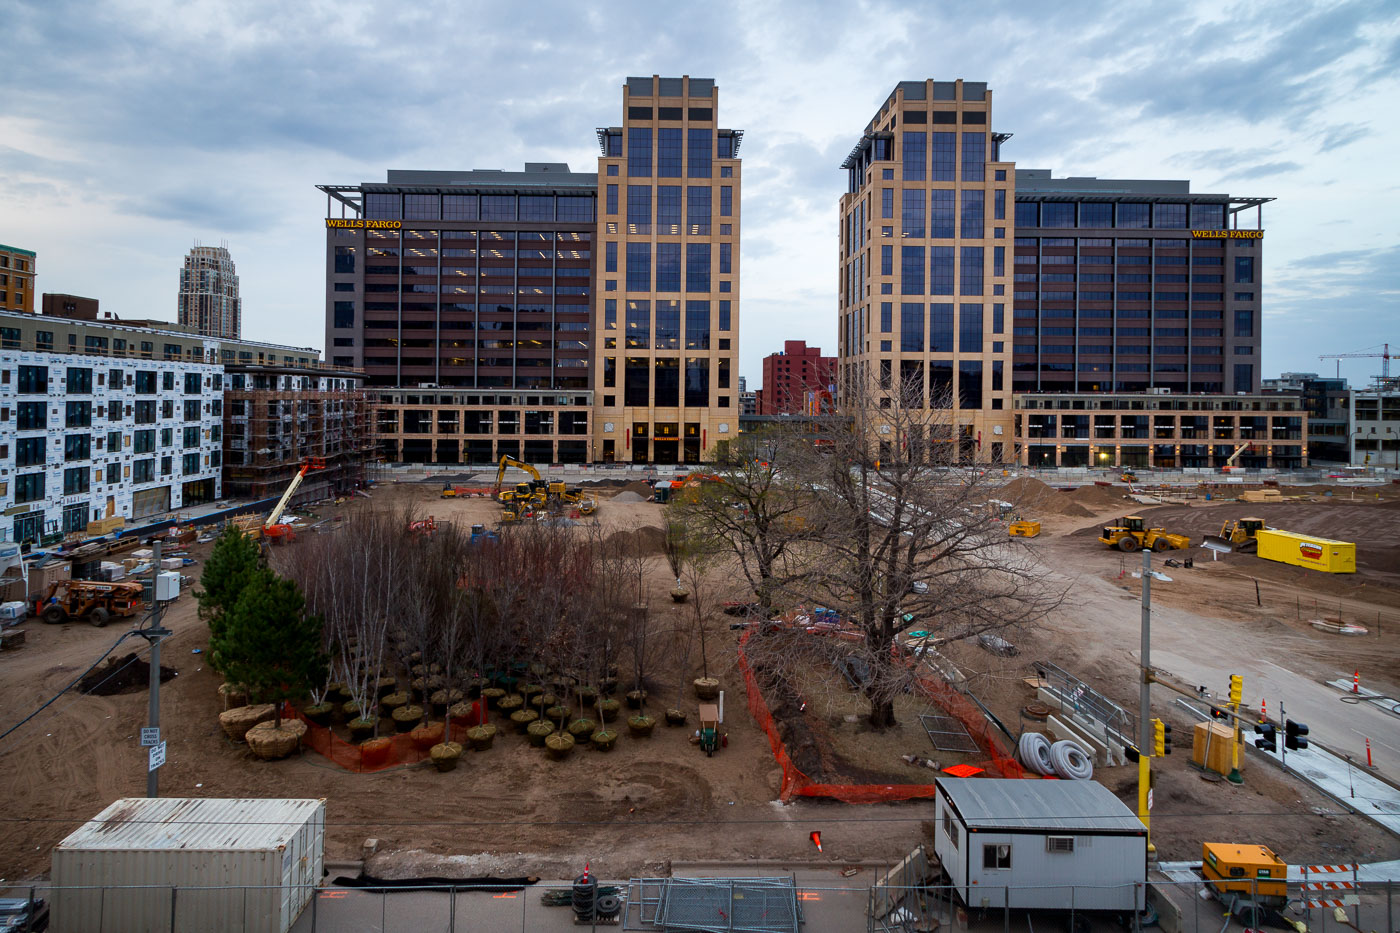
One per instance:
[(1307, 551), (190, 863), (1040, 844)]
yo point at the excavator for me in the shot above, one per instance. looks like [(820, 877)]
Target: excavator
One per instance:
[(275, 531), (1240, 534), (539, 491)]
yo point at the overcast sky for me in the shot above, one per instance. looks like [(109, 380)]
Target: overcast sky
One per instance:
[(133, 129)]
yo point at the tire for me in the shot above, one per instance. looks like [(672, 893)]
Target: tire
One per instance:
[(608, 905), (54, 615), (1161, 544), (1127, 544), (1034, 749), (1070, 761), (99, 617)]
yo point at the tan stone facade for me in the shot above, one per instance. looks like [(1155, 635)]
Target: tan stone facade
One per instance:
[(666, 301), (925, 273)]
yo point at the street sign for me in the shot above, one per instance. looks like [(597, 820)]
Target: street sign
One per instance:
[(157, 757), (150, 735)]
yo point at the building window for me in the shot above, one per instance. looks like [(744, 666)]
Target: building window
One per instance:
[(639, 208), (970, 281), (33, 380), (697, 211), (912, 212), (974, 156), (940, 329), (189, 464), (915, 156), (996, 857), (639, 267), (638, 325), (911, 328), (610, 257), (887, 202), (724, 315), (697, 267), (29, 451), (726, 254), (940, 270), (612, 200), (145, 383), (911, 269), (76, 480), (78, 414), (1244, 270), (668, 152), (77, 447), (668, 267), (114, 474), (1131, 216), (639, 151), (973, 213), (79, 381), (29, 487), (726, 201), (43, 340), (1244, 323), (698, 152), (697, 325)]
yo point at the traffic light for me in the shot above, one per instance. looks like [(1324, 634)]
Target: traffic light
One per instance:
[(1236, 689), (1294, 733), (1217, 713), (1267, 738), (1161, 738)]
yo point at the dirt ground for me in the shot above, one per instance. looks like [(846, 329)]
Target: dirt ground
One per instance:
[(660, 799)]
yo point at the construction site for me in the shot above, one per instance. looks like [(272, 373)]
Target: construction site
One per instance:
[(768, 767)]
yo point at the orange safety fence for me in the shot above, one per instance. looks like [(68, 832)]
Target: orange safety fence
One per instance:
[(795, 782), (388, 751)]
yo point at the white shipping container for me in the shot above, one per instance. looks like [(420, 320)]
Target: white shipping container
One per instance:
[(189, 863), (167, 586)]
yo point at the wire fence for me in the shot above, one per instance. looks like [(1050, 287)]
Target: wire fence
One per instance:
[(1179, 906)]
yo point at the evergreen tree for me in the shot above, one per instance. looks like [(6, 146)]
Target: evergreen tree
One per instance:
[(267, 642), (231, 564)]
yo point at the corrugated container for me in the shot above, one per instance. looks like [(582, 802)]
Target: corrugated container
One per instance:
[(1307, 551), (244, 864)]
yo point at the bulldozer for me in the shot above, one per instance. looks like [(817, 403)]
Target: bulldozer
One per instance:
[(1240, 534), (1131, 533), (93, 600)]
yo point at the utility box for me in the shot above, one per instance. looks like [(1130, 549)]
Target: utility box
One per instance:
[(1210, 747), (1248, 870), (1307, 551), (188, 863), (167, 586)]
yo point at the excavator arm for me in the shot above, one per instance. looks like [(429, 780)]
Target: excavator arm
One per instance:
[(512, 462)]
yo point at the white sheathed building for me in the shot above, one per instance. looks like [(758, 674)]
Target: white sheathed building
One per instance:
[(84, 436)]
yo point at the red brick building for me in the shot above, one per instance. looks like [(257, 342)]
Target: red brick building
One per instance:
[(789, 377)]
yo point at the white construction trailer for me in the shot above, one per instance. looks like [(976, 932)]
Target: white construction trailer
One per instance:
[(1040, 844)]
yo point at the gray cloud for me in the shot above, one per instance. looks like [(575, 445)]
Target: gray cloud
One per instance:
[(1344, 135)]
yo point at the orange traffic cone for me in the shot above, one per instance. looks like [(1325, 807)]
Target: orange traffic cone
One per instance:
[(1263, 711), (817, 839)]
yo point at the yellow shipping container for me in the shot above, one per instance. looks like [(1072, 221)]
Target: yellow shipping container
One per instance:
[(1307, 551)]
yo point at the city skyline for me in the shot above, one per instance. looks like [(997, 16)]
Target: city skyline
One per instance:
[(107, 175)]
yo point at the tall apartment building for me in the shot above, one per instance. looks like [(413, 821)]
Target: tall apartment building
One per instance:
[(209, 300), (924, 242), (551, 315), (1131, 286), (795, 379), (16, 279)]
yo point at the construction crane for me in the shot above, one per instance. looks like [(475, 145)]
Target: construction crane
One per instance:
[(272, 528), (1385, 356)]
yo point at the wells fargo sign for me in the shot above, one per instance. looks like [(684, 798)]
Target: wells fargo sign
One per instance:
[(1227, 234), (356, 223)]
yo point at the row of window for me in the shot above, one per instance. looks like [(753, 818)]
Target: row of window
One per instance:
[(668, 218), (1122, 215), (34, 380), (657, 382), (672, 150), (504, 421), (32, 451), (31, 487), (564, 208), (34, 416)]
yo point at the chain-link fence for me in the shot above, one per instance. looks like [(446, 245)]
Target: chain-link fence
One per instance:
[(1171, 906)]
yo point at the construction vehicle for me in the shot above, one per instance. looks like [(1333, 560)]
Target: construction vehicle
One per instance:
[(448, 492), (94, 600), (1229, 465), (424, 526), (481, 536), (1128, 476), (1239, 534), (1024, 529), (537, 490), (1131, 533), (273, 529)]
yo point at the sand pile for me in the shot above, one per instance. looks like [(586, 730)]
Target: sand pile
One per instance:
[(628, 496), (640, 488), (651, 539), (1033, 497)]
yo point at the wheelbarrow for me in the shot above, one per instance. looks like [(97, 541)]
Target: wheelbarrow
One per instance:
[(709, 728)]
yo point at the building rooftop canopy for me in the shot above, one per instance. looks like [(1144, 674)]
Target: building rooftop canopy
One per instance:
[(1037, 184)]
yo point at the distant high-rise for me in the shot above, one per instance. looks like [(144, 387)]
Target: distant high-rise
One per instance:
[(209, 299)]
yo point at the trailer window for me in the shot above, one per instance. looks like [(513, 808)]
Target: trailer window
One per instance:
[(1059, 843), (950, 828), (996, 855)]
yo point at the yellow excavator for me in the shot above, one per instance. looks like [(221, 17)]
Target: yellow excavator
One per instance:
[(539, 491), (1131, 533), (1241, 534)]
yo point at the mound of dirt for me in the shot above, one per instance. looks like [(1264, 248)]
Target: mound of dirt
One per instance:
[(629, 496), (640, 488), (122, 675), (652, 540), (1034, 497), (1097, 497)]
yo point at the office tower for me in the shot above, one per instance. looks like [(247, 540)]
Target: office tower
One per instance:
[(209, 299), (924, 284), (668, 307)]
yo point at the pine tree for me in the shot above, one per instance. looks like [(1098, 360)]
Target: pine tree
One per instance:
[(232, 563), (267, 641)]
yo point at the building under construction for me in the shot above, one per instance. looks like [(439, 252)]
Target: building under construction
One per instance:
[(276, 416)]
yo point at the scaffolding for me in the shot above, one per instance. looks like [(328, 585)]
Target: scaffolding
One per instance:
[(269, 433)]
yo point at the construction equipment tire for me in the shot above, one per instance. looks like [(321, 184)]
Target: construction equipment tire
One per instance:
[(1034, 749), (1070, 761), (1127, 544), (99, 617), (1161, 544), (54, 615)]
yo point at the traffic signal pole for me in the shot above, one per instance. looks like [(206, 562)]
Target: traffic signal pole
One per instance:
[(1145, 703)]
